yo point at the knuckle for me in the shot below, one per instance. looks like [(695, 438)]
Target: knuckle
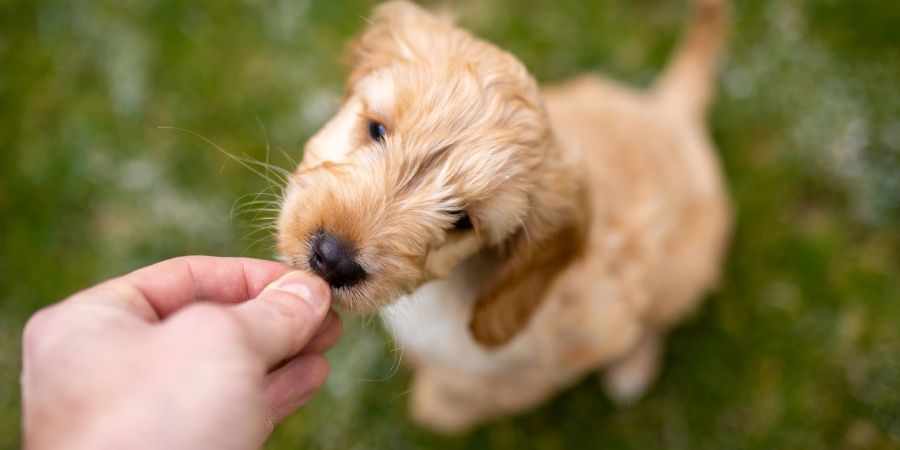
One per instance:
[(38, 328), (199, 312), (215, 321), (321, 369), (317, 371), (337, 325)]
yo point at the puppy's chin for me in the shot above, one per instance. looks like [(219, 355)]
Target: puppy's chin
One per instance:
[(360, 300), (347, 301)]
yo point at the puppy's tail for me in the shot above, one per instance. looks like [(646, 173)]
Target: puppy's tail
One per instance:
[(688, 82)]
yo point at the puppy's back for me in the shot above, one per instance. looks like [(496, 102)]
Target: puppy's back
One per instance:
[(653, 175)]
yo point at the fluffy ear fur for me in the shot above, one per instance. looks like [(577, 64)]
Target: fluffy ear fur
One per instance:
[(551, 238), (505, 307)]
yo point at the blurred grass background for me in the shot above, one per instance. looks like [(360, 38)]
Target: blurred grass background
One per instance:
[(799, 349)]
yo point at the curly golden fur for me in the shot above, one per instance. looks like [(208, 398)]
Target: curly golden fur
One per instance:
[(598, 214)]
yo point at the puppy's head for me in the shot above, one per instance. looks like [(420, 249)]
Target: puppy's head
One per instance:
[(439, 150)]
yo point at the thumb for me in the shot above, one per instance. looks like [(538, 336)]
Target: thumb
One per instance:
[(285, 316)]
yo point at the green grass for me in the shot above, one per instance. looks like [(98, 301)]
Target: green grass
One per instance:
[(799, 349)]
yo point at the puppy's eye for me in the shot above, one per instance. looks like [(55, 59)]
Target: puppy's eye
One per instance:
[(463, 222), (377, 131)]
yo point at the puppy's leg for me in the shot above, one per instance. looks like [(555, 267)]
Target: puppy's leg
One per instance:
[(451, 401), (628, 378), (440, 406)]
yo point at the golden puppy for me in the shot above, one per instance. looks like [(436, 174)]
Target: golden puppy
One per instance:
[(513, 238)]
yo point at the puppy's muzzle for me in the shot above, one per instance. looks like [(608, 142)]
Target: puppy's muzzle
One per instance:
[(333, 260)]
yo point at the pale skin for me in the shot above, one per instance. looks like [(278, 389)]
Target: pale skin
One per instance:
[(193, 352)]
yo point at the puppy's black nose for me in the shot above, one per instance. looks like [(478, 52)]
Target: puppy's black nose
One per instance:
[(333, 260)]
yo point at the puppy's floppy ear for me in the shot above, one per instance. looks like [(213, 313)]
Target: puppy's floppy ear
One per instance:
[(398, 30), (536, 254)]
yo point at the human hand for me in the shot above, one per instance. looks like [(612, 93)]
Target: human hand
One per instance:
[(171, 356)]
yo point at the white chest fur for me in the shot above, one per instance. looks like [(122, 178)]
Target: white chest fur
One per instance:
[(433, 324)]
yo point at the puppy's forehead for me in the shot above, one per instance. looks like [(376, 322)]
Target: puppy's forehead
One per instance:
[(410, 96), (378, 92)]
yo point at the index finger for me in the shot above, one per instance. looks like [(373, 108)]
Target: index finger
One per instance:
[(156, 291)]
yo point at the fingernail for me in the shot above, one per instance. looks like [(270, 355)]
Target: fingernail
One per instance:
[(310, 289)]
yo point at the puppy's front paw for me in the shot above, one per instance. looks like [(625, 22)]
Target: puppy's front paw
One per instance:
[(626, 380), (491, 330), (435, 406)]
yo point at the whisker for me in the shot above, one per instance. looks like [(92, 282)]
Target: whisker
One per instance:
[(275, 170), (402, 394), (271, 226), (395, 366), (527, 236), (238, 208), (246, 164), (244, 210), (265, 206), (398, 350), (252, 244), (267, 232), (259, 215), (251, 208), (262, 193), (265, 224), (279, 199), (288, 157), (265, 136), (254, 232), (279, 172)]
